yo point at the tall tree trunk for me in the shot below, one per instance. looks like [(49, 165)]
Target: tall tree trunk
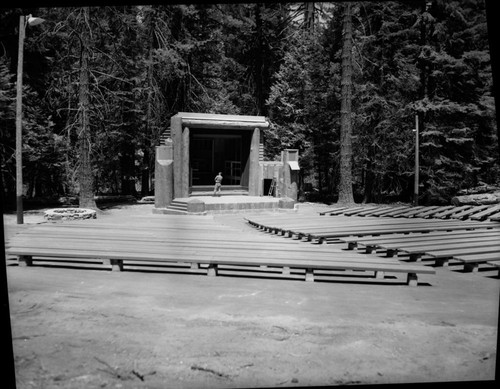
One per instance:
[(345, 185), (423, 90), (309, 15), (259, 71), (146, 163), (85, 177)]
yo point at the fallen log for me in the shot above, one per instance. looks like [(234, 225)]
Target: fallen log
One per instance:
[(477, 199)]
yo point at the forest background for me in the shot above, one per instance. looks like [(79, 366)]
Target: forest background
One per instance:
[(281, 60)]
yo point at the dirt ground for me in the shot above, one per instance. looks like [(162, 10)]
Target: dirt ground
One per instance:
[(89, 328)]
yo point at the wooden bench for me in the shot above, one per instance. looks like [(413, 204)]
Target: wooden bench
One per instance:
[(482, 215), (326, 236), (416, 250), (468, 212), (452, 211), (372, 243), (495, 263), (471, 261), (110, 248), (480, 212)]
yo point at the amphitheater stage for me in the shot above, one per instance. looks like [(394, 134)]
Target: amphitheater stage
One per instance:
[(227, 203)]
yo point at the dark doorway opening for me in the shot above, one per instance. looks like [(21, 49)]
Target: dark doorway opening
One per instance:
[(218, 151)]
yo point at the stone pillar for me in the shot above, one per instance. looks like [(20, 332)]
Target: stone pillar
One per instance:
[(290, 177), (253, 180), (176, 130), (185, 163), (164, 175)]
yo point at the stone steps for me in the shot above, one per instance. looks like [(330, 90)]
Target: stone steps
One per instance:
[(177, 207)]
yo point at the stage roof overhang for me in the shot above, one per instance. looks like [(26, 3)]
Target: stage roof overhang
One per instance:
[(223, 122)]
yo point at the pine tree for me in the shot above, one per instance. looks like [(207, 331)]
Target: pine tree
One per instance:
[(345, 185)]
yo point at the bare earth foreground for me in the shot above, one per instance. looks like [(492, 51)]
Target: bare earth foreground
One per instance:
[(90, 328)]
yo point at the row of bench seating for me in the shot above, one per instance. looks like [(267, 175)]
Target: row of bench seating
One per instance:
[(464, 212), (330, 230), (197, 243), (468, 241), (471, 248)]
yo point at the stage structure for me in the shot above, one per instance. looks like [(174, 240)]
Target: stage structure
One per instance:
[(200, 145)]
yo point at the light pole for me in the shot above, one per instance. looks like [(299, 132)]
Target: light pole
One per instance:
[(19, 113), (417, 168)]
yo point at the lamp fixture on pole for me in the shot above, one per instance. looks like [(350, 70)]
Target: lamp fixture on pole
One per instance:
[(32, 21)]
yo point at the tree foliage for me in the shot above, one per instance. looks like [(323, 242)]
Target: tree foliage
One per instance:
[(282, 60)]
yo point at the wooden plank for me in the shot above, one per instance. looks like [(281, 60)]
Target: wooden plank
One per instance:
[(415, 211), (388, 267), (334, 211), (374, 211), (353, 211), (394, 211), (386, 240), (367, 222), (338, 234), (478, 257), (466, 213), (432, 212), (483, 214), (410, 210), (145, 238), (432, 235), (366, 211), (353, 230), (454, 210), (494, 217), (201, 251), (424, 247), (454, 252)]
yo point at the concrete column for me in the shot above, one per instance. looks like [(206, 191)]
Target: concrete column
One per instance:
[(253, 181), (176, 129), (164, 175), (185, 162), (290, 177)]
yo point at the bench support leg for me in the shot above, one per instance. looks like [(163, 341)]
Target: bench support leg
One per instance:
[(412, 279), (414, 257), (212, 270), (195, 266), (286, 270), (442, 262), (369, 249), (25, 260), (309, 275), (379, 275), (471, 267), (351, 245), (391, 252), (116, 264)]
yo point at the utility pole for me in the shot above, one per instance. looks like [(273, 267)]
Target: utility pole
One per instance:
[(417, 168), (19, 123), (32, 21)]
